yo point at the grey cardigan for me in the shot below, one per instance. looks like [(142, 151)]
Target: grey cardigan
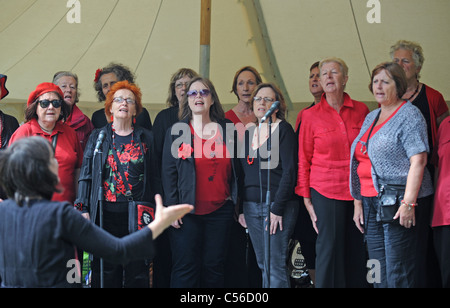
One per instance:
[(390, 149)]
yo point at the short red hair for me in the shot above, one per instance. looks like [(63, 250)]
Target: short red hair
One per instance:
[(123, 85)]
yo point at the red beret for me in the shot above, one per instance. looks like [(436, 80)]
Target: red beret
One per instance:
[(42, 89)]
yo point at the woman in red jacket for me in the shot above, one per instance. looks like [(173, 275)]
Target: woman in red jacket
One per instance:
[(45, 116)]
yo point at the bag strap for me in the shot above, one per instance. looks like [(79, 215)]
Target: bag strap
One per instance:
[(367, 142), (128, 193), (54, 141)]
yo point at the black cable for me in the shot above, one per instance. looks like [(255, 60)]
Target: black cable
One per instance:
[(359, 37)]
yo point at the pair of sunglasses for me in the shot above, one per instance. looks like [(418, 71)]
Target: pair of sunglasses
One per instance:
[(203, 93), (45, 103)]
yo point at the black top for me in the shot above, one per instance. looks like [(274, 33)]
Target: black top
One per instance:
[(9, 124), (37, 241), (283, 172), (163, 121), (98, 119)]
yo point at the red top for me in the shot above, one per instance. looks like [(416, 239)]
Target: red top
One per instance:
[(438, 107), (365, 166), (68, 153), (240, 127), (212, 173), (441, 215), (325, 139), (81, 124)]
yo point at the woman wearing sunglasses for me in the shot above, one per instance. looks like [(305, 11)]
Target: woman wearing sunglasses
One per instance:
[(44, 116), (198, 168)]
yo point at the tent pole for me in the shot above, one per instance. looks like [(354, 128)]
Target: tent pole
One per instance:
[(205, 37)]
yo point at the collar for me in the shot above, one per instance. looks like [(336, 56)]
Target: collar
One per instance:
[(37, 130), (348, 102)]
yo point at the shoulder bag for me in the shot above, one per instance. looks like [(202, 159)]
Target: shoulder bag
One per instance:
[(140, 213)]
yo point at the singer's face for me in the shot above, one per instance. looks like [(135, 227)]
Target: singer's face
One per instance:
[(262, 101), (246, 83), (331, 78), (123, 110), (199, 104)]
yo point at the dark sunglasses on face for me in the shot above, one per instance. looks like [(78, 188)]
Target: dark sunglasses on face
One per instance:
[(194, 93), (45, 103)]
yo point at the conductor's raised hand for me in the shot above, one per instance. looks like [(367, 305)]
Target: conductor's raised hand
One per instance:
[(164, 216)]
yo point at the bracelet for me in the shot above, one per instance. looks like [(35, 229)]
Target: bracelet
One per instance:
[(410, 205)]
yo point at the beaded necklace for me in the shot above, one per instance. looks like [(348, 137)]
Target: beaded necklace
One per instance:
[(114, 139)]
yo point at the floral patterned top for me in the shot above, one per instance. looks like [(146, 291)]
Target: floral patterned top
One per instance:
[(132, 160)]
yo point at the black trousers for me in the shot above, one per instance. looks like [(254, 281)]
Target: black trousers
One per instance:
[(341, 255), (441, 243), (132, 275), (199, 249)]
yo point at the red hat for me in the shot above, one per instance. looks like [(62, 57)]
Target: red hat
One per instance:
[(4, 90), (42, 89)]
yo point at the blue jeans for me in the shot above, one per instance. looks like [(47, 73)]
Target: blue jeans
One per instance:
[(392, 245), (255, 215)]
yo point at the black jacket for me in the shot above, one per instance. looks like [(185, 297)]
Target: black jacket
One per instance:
[(178, 175), (90, 183), (9, 126)]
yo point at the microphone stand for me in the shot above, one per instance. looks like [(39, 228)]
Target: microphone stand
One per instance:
[(100, 202), (267, 208)]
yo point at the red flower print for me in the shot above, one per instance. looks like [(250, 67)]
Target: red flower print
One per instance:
[(110, 196), (185, 150), (134, 153), (124, 157)]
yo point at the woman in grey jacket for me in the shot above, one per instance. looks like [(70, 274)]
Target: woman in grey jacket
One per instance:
[(397, 154)]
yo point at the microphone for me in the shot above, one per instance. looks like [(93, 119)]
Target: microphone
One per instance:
[(100, 139), (275, 106)]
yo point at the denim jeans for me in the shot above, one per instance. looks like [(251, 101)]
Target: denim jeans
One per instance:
[(392, 245), (255, 215)]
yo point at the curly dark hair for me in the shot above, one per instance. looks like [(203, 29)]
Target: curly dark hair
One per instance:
[(122, 73)]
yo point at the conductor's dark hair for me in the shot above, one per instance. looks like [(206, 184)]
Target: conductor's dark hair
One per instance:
[(25, 170)]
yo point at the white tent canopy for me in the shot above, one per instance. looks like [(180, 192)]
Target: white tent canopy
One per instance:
[(156, 37)]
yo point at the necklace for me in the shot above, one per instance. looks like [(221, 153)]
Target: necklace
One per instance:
[(114, 138), (415, 92), (48, 131)]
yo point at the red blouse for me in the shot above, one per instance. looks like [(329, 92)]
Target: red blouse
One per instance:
[(212, 173), (441, 215), (325, 139), (68, 153)]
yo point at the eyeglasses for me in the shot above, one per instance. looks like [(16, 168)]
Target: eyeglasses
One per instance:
[(203, 93), (45, 103), (180, 85), (266, 99), (120, 100)]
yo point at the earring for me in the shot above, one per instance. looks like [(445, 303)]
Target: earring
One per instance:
[(134, 120), (112, 118)]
